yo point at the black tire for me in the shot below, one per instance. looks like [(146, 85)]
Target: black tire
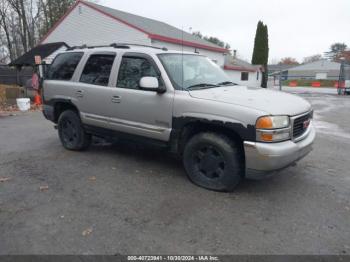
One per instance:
[(71, 132), (213, 161)]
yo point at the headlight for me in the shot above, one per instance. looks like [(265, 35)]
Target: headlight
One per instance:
[(272, 122), (273, 128)]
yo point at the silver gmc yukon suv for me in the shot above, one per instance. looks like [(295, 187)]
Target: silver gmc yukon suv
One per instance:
[(183, 101)]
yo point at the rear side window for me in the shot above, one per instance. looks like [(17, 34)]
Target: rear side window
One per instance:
[(97, 70), (63, 66)]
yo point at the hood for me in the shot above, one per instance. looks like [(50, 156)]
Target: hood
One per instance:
[(269, 101)]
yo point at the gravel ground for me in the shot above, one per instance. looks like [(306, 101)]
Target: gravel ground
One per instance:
[(127, 198)]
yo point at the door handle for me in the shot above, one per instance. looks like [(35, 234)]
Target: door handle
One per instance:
[(116, 99), (79, 93)]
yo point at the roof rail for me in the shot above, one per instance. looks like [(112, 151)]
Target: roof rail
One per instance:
[(97, 46), (150, 46), (76, 47), (115, 45)]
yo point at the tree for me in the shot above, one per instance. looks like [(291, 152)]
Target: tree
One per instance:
[(198, 34), (343, 56), (24, 22), (261, 50), (4, 25), (312, 58), (52, 11), (288, 61), (212, 39), (335, 50)]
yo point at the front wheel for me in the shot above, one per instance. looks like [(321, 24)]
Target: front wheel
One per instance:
[(71, 132), (213, 161)]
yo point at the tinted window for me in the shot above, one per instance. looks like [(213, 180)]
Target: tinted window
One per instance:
[(97, 70), (63, 66), (132, 69), (244, 76)]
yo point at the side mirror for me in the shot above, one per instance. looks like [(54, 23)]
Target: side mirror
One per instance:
[(150, 83)]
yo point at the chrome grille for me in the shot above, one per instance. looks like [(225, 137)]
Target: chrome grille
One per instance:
[(298, 126)]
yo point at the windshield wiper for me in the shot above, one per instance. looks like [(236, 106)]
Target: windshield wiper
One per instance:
[(201, 86), (227, 83)]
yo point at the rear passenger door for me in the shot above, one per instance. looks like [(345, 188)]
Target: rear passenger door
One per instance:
[(93, 91)]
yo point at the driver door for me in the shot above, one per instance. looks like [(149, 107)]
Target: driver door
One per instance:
[(140, 112)]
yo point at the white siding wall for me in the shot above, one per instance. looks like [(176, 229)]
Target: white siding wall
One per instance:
[(87, 26), (252, 80), (218, 57)]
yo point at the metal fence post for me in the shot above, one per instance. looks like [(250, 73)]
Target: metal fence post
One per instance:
[(280, 81)]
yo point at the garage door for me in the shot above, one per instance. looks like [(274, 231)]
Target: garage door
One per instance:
[(321, 76)]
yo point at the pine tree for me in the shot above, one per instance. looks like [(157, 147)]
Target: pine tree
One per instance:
[(261, 50)]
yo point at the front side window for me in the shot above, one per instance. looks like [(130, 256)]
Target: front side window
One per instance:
[(132, 69), (97, 69), (244, 76), (186, 70), (64, 65)]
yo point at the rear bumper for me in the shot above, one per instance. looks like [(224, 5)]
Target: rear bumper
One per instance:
[(48, 112), (265, 159)]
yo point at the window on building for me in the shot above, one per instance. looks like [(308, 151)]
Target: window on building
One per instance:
[(64, 65), (132, 69), (97, 70), (244, 76)]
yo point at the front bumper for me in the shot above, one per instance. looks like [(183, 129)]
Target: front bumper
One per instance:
[(264, 159)]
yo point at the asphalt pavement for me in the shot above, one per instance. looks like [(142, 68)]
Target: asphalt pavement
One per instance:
[(131, 199)]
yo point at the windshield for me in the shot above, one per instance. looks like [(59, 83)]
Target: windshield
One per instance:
[(193, 71)]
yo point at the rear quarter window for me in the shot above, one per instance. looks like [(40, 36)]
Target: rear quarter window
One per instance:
[(64, 65), (97, 69)]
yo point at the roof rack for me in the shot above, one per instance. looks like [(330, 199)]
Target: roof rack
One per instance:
[(97, 46), (115, 45), (150, 46)]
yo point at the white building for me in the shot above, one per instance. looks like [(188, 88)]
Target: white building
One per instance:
[(318, 70), (241, 72), (92, 24)]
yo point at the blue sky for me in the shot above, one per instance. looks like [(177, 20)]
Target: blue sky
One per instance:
[(297, 28)]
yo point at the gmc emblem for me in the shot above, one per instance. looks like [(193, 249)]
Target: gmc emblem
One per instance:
[(306, 124)]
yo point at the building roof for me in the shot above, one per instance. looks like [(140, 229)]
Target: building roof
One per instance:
[(132, 48), (40, 50), (236, 64), (321, 65), (155, 30), (279, 67)]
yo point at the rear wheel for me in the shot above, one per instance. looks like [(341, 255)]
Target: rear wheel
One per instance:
[(71, 132), (213, 161)]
